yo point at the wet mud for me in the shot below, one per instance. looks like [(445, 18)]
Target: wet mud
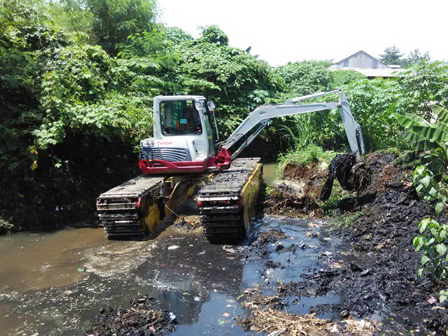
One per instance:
[(287, 258), (142, 318), (376, 274), (284, 203)]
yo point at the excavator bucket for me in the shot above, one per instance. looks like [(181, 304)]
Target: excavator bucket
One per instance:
[(352, 128)]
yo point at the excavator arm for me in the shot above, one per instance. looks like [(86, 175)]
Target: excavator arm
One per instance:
[(258, 119)]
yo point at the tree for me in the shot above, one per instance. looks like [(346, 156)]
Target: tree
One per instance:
[(112, 21), (235, 79), (72, 16), (25, 40), (302, 78), (423, 84), (415, 57), (392, 56), (342, 77), (213, 34)]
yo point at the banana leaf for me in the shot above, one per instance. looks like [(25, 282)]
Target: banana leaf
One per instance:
[(408, 120), (441, 113), (426, 145), (439, 134), (411, 137)]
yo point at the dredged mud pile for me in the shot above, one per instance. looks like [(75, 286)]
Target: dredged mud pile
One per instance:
[(284, 203), (377, 276), (142, 318), (297, 199)]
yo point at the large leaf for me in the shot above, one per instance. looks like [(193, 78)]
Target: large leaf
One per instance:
[(441, 113), (439, 207), (423, 224), (425, 181), (425, 145), (419, 143), (411, 120), (430, 133), (412, 137), (441, 249)]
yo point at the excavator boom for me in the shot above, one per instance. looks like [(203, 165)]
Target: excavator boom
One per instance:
[(258, 119)]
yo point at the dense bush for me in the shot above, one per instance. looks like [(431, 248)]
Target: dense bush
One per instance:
[(342, 77), (86, 91)]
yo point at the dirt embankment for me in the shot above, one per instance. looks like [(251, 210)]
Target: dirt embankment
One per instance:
[(376, 274), (298, 193), (303, 188)]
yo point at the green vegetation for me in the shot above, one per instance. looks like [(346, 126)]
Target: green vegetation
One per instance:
[(344, 221), (393, 56), (429, 189), (304, 155), (77, 79), (428, 141), (343, 77), (433, 242), (270, 191), (5, 226)]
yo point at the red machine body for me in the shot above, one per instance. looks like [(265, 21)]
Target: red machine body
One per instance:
[(161, 167)]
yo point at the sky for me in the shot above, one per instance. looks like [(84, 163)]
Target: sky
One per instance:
[(282, 31)]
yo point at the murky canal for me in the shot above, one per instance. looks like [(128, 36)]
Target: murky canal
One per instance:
[(53, 283)]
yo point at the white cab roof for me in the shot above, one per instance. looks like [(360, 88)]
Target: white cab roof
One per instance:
[(180, 97)]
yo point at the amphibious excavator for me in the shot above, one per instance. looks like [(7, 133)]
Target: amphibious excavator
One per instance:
[(185, 156)]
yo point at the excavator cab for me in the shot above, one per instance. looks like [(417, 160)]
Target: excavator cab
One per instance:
[(184, 139), (179, 118)]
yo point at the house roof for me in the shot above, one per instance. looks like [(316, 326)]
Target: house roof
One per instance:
[(361, 52), (367, 65)]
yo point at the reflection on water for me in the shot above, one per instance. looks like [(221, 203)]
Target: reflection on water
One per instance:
[(199, 282)]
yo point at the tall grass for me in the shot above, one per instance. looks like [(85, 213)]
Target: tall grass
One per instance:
[(299, 130), (302, 156)]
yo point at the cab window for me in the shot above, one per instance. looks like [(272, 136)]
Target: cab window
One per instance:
[(179, 117)]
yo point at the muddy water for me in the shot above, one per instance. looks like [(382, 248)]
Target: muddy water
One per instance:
[(269, 173), (41, 260), (53, 283)]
